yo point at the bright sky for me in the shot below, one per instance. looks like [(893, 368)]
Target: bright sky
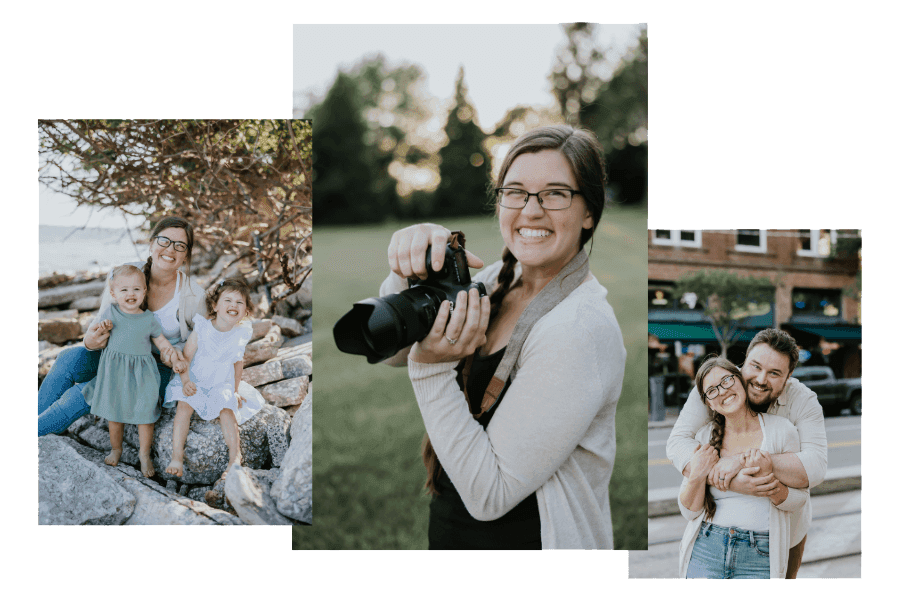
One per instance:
[(505, 65)]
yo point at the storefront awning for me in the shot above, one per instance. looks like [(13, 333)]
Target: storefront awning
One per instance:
[(831, 333), (693, 333)]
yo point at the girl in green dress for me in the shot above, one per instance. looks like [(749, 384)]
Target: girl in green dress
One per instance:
[(126, 389)]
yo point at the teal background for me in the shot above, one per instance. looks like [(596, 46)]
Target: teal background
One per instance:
[(763, 116)]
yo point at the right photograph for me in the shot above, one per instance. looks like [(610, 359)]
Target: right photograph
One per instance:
[(755, 404)]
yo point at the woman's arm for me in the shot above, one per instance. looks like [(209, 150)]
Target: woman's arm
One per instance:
[(570, 373), (693, 492)]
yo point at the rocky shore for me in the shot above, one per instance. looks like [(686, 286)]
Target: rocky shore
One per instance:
[(273, 485)]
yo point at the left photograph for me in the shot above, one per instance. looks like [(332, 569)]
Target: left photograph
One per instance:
[(175, 322)]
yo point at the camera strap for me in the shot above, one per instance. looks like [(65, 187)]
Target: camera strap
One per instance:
[(570, 277)]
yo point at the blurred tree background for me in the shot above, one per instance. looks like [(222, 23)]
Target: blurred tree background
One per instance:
[(385, 150)]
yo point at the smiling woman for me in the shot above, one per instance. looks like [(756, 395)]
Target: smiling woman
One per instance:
[(518, 390)]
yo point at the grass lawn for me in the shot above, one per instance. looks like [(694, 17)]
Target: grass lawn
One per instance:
[(368, 475)]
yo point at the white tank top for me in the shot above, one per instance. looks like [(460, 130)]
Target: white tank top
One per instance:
[(168, 316), (740, 510)]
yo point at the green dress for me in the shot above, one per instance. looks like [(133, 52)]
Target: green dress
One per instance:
[(126, 389)]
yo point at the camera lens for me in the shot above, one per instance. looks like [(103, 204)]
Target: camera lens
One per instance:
[(378, 328)]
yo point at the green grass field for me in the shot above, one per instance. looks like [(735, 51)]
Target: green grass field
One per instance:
[(367, 430)]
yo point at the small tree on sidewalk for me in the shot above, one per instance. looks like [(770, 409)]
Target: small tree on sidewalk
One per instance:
[(728, 299)]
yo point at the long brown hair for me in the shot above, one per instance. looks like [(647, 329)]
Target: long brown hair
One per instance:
[(585, 157), (718, 429)]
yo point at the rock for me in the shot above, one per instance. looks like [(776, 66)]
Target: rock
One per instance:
[(47, 358), (45, 345), (287, 392), (49, 315), (59, 331), (50, 281), (155, 505), (215, 496), (289, 327), (171, 486), (260, 329), (278, 424), (264, 373), (251, 499), (81, 423), (86, 304), (264, 349), (303, 296), (292, 410), (298, 366), (75, 491), (303, 343), (292, 489), (98, 438), (183, 490), (63, 295), (205, 454), (198, 493)]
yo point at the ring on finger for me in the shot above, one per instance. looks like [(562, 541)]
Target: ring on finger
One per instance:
[(451, 341)]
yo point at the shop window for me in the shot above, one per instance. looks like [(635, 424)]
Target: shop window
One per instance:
[(816, 303), (660, 297), (688, 238)]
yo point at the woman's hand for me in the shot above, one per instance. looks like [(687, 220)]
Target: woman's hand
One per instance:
[(704, 459), (406, 253), (98, 335), (758, 458), (455, 337)]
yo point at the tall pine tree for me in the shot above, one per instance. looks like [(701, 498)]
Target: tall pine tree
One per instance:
[(465, 168)]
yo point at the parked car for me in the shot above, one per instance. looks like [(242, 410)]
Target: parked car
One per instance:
[(834, 394)]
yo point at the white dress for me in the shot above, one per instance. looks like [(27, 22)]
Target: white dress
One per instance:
[(212, 371)]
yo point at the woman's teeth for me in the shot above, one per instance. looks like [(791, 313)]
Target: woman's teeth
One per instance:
[(534, 233), (166, 258)]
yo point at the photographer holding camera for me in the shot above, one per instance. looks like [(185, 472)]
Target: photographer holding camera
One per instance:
[(518, 389)]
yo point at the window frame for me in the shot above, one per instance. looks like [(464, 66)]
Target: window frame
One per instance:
[(676, 240), (814, 235), (761, 249)]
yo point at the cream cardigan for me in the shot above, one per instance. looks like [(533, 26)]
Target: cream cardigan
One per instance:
[(780, 436), (554, 432)]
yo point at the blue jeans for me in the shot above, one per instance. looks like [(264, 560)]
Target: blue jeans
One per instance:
[(729, 553), (60, 400)]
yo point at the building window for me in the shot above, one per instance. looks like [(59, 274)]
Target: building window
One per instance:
[(816, 303), (660, 297), (688, 238), (750, 240), (817, 242)]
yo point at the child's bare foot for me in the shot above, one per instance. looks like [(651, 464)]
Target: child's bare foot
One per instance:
[(176, 468), (147, 465), (112, 459), (236, 460)]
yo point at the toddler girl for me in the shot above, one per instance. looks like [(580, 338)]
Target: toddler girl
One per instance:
[(215, 355), (126, 389)]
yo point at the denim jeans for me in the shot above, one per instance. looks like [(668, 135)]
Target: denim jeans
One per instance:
[(60, 398), (729, 553)]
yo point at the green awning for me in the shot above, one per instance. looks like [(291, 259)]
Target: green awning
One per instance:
[(831, 333), (693, 332)]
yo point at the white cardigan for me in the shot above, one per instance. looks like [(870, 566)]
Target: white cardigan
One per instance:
[(554, 432), (780, 436)]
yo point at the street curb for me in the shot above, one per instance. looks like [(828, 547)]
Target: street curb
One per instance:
[(664, 502)]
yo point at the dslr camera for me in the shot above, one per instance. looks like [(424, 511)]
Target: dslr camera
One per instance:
[(378, 328)]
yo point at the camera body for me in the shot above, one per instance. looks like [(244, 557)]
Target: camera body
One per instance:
[(378, 328)]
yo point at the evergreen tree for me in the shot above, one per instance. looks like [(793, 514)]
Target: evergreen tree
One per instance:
[(344, 184), (465, 168)]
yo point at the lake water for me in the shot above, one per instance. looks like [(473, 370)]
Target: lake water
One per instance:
[(92, 249)]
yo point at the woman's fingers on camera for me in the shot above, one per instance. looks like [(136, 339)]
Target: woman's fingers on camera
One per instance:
[(417, 249), (439, 238)]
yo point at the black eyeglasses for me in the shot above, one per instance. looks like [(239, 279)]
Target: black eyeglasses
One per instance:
[(715, 390), (166, 242), (548, 199)]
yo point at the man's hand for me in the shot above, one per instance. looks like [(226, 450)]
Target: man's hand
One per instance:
[(746, 482), (724, 471), (759, 458)]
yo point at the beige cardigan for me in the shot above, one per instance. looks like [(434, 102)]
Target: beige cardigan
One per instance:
[(554, 432), (780, 436)]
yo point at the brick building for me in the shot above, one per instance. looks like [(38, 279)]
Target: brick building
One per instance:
[(815, 293)]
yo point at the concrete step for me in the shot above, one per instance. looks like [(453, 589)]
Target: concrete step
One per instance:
[(834, 539)]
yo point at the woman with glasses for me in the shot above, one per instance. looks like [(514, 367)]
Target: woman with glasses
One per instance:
[(731, 535), (518, 390), (171, 295)]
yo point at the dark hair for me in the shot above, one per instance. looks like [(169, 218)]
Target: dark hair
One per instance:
[(718, 430), (780, 341), (166, 223), (126, 270), (232, 284), (585, 157)]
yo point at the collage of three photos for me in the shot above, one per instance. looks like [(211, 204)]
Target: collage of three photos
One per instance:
[(479, 335)]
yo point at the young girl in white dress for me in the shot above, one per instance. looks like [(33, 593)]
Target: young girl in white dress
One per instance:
[(209, 386)]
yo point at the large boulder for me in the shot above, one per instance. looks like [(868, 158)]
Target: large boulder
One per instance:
[(75, 491), (287, 392), (292, 489), (264, 373), (249, 495), (264, 349), (59, 331), (69, 293)]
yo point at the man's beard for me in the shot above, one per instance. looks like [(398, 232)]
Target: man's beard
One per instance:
[(761, 400)]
